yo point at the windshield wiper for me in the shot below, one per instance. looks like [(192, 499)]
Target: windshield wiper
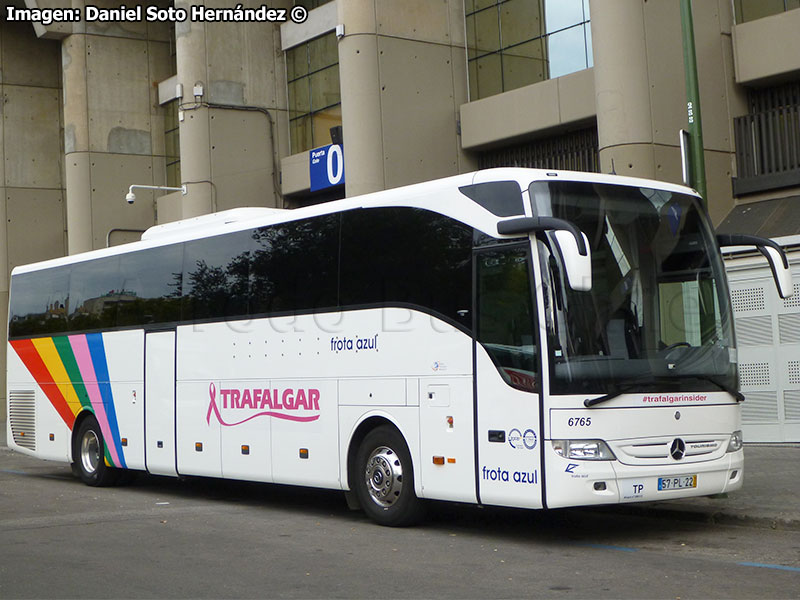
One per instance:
[(735, 393), (589, 402)]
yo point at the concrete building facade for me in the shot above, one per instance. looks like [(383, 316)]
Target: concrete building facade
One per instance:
[(417, 89)]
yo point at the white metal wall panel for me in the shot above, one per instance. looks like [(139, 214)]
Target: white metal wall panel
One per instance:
[(768, 340)]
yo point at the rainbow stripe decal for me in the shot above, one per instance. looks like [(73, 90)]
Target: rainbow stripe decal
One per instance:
[(73, 373)]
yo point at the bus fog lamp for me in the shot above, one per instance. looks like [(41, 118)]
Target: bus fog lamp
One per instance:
[(583, 449), (736, 442)]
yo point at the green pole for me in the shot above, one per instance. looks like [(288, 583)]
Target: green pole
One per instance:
[(697, 165)]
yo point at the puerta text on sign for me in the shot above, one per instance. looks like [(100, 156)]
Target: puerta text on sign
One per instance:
[(326, 167)]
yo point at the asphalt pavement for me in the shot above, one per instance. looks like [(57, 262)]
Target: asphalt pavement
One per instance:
[(769, 498)]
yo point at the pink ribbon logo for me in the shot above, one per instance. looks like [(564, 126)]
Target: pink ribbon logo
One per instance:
[(214, 409)]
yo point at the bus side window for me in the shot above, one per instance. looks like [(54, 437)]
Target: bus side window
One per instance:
[(506, 316), (406, 256), (295, 266), (39, 302), (216, 276), (94, 289), (151, 286)]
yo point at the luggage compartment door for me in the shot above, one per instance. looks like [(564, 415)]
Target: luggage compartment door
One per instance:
[(159, 398)]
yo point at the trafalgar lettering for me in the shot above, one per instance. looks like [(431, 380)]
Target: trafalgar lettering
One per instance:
[(291, 404)]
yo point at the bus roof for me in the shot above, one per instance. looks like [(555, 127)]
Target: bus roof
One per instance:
[(440, 195)]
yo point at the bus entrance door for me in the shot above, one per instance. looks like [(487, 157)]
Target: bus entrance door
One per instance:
[(507, 381), (159, 402)]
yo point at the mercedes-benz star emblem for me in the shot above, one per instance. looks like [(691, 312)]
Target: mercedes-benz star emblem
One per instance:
[(678, 449)]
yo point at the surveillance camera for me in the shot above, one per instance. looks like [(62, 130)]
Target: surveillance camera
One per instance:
[(130, 197)]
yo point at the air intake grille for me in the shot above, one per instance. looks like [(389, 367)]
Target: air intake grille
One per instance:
[(22, 416), (755, 374), (794, 299), (747, 299)]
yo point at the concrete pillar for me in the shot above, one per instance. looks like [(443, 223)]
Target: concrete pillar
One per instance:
[(640, 90), (232, 130), (190, 47), (622, 88), (113, 129), (31, 179), (77, 164), (402, 68), (359, 82)]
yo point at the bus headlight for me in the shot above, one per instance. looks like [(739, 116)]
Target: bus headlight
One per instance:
[(737, 440), (583, 449)]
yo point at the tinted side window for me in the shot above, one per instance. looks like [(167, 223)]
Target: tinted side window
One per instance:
[(506, 315), (118, 291), (501, 198), (94, 293), (39, 302), (406, 255), (151, 286), (216, 276), (294, 266)]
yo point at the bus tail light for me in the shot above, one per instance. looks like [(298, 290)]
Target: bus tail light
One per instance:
[(583, 449)]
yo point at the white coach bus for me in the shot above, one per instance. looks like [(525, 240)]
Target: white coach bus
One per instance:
[(509, 337)]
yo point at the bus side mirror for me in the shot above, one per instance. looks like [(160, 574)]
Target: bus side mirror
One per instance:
[(778, 263), (578, 266), (573, 245)]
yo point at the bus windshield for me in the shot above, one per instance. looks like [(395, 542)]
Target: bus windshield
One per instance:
[(658, 316)]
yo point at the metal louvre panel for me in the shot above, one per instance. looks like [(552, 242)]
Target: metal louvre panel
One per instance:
[(789, 328), (754, 331), (760, 407), (22, 417), (791, 405)]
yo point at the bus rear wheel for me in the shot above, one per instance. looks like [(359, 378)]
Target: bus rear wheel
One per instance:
[(384, 479), (88, 455)]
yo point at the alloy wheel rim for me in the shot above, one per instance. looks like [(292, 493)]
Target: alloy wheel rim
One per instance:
[(384, 476)]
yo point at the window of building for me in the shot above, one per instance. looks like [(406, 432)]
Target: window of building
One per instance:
[(513, 43), (172, 137), (315, 103), (310, 4), (767, 140), (172, 143), (750, 10), (573, 151)]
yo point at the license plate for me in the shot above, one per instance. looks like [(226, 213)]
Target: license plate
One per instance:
[(677, 483)]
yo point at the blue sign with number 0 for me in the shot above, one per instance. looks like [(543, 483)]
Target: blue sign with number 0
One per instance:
[(326, 167)]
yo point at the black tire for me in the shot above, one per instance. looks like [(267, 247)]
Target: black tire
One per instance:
[(88, 455), (383, 479)]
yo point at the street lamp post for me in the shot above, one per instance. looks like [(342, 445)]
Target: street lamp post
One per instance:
[(697, 165)]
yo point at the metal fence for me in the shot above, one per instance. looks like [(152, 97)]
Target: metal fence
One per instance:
[(768, 140), (574, 151)]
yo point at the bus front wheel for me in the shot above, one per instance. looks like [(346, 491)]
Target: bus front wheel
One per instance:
[(384, 479), (88, 455)]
